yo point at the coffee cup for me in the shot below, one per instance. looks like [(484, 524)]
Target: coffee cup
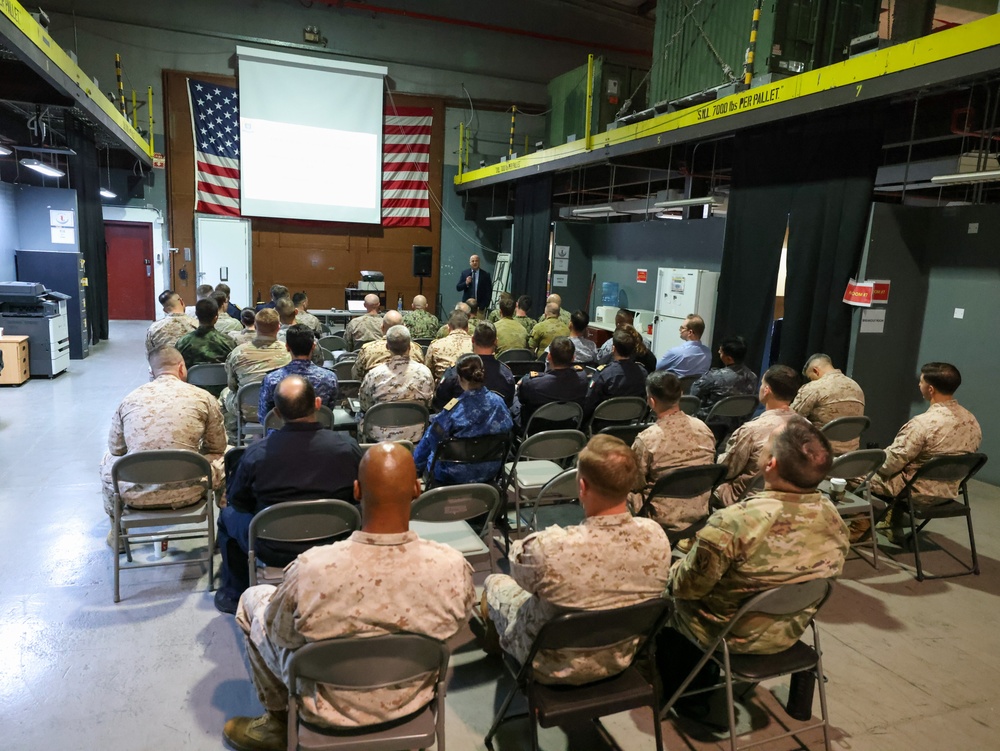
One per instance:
[(159, 547), (838, 486)]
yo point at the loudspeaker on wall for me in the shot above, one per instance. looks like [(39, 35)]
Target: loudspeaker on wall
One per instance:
[(422, 259)]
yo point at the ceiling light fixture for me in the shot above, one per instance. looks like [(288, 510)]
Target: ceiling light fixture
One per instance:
[(108, 194), (967, 177), (42, 168), (682, 202), (502, 218), (595, 210)]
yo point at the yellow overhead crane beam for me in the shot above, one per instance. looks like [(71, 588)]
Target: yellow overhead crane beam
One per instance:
[(970, 37), (58, 57)]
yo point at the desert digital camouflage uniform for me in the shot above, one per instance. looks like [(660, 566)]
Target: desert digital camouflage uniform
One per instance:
[(603, 563), (249, 363), (675, 440), (205, 345), (770, 539), (398, 380), (366, 328), (510, 335), (827, 398), (743, 452), (427, 589), (527, 321), (308, 319), (422, 325), (444, 353), (945, 428), (165, 413), (242, 336), (227, 323), (376, 353), (544, 332), (167, 330)]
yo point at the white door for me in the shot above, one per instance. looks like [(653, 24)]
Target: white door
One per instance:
[(222, 246)]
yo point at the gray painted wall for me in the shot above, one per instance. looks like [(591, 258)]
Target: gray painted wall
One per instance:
[(33, 206), (8, 232)]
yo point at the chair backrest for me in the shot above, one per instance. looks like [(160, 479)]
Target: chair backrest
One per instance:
[(396, 414), (248, 396), (687, 382), (846, 428), (344, 369), (516, 354), (408, 445), (862, 463), (627, 433), (754, 485), (453, 503), (231, 460), (274, 421), (690, 404), (786, 599), (348, 389), (345, 357), (738, 405), (555, 416), (424, 342), (484, 448), (337, 332), (208, 374), (562, 487), (552, 445), (162, 466), (688, 482), (333, 343), (521, 368), (958, 468), (620, 409), (304, 522)]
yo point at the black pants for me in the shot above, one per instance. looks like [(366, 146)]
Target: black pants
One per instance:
[(675, 659)]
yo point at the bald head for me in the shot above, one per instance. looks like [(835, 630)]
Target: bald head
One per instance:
[(554, 298), (419, 302), (463, 308), (371, 304), (387, 482), (551, 310), (295, 399), (390, 319)]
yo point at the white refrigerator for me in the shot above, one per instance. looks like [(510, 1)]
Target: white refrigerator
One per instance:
[(680, 292)]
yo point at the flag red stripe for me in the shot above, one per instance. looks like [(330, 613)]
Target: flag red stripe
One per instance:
[(405, 203), (212, 169), (407, 130), (218, 190), (404, 185), (406, 148), (214, 208)]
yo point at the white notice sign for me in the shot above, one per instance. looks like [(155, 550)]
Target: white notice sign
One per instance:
[(61, 218), (560, 264), (62, 236), (872, 321), (560, 280)]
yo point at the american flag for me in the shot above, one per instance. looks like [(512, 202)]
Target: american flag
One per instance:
[(215, 115), (406, 152)]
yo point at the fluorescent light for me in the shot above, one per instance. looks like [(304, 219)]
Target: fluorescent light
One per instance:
[(503, 218), (4, 151), (108, 194), (682, 202), (583, 211), (967, 177), (43, 169)]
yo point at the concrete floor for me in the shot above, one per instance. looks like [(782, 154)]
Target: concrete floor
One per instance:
[(911, 665)]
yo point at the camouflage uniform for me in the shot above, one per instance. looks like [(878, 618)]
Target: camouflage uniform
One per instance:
[(422, 325), (227, 323), (442, 332), (376, 353), (676, 440), (308, 319), (743, 452), (494, 315), (564, 316), (366, 328), (544, 332), (827, 398), (510, 335), (205, 345), (249, 363), (603, 563), (585, 351), (398, 380), (165, 413), (718, 383), (242, 336), (771, 539), (427, 589), (168, 330), (527, 321), (324, 383), (444, 353), (945, 428)]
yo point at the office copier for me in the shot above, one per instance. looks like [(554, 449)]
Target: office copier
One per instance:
[(28, 309)]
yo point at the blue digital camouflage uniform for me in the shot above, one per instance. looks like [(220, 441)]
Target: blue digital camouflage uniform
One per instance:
[(475, 413), (324, 383)]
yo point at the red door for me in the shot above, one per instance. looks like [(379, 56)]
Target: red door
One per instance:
[(130, 270)]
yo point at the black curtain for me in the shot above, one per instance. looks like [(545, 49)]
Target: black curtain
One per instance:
[(532, 229), (85, 178)]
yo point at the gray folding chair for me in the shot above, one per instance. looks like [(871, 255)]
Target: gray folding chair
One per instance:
[(521, 368), (690, 404), (863, 464), (680, 485), (365, 665), (140, 525), (687, 382), (452, 452), (727, 414), (785, 600), (619, 410), (627, 433), (443, 515), (557, 500), (555, 416), (846, 428), (388, 415), (333, 343), (208, 375), (344, 369), (274, 421), (282, 531), (247, 399), (516, 354)]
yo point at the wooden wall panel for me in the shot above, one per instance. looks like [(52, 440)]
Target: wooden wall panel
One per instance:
[(321, 258)]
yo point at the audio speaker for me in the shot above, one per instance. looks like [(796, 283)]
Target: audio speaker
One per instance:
[(422, 255)]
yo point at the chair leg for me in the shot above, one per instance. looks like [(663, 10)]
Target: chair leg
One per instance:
[(915, 537), (874, 535), (972, 545), (730, 704), (500, 716), (210, 513), (657, 727), (534, 728), (821, 681)]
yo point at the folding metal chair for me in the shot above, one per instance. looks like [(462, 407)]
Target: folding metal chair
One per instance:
[(344, 369), (687, 382), (474, 450), (388, 415), (561, 704), (443, 515), (516, 354), (365, 665), (558, 496), (751, 668), (209, 376), (619, 410), (690, 404), (845, 428), (520, 368), (247, 399), (684, 484), (333, 343), (408, 445), (627, 433), (862, 464), (555, 416)]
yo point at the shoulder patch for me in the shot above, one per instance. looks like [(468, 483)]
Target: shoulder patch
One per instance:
[(450, 405), (601, 367), (577, 367), (532, 374)]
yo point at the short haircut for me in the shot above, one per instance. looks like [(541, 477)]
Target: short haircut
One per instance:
[(473, 304), (734, 347), (695, 324), (397, 340), (285, 309), (524, 303), (204, 290), (205, 311), (943, 376), (552, 309), (165, 296), (299, 297), (579, 321), (278, 291), (300, 339), (267, 319), (562, 350), (803, 453), (458, 320), (664, 387), (470, 367), (301, 402), (623, 343), (163, 356), (485, 335), (783, 382), (223, 287), (391, 318), (623, 316), (248, 316), (221, 299), (506, 307), (608, 465), (819, 356)]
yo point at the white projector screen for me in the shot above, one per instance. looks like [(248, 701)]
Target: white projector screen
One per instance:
[(310, 137)]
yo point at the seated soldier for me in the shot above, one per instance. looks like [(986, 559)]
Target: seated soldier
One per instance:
[(166, 331), (302, 315), (611, 560), (623, 376), (422, 325), (249, 332), (226, 322), (546, 330), (376, 352), (521, 310), (732, 379), (562, 382), (366, 328), (510, 334), (301, 345), (585, 351), (206, 344), (444, 352), (499, 379), (397, 380), (423, 588), (277, 292), (827, 395)]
